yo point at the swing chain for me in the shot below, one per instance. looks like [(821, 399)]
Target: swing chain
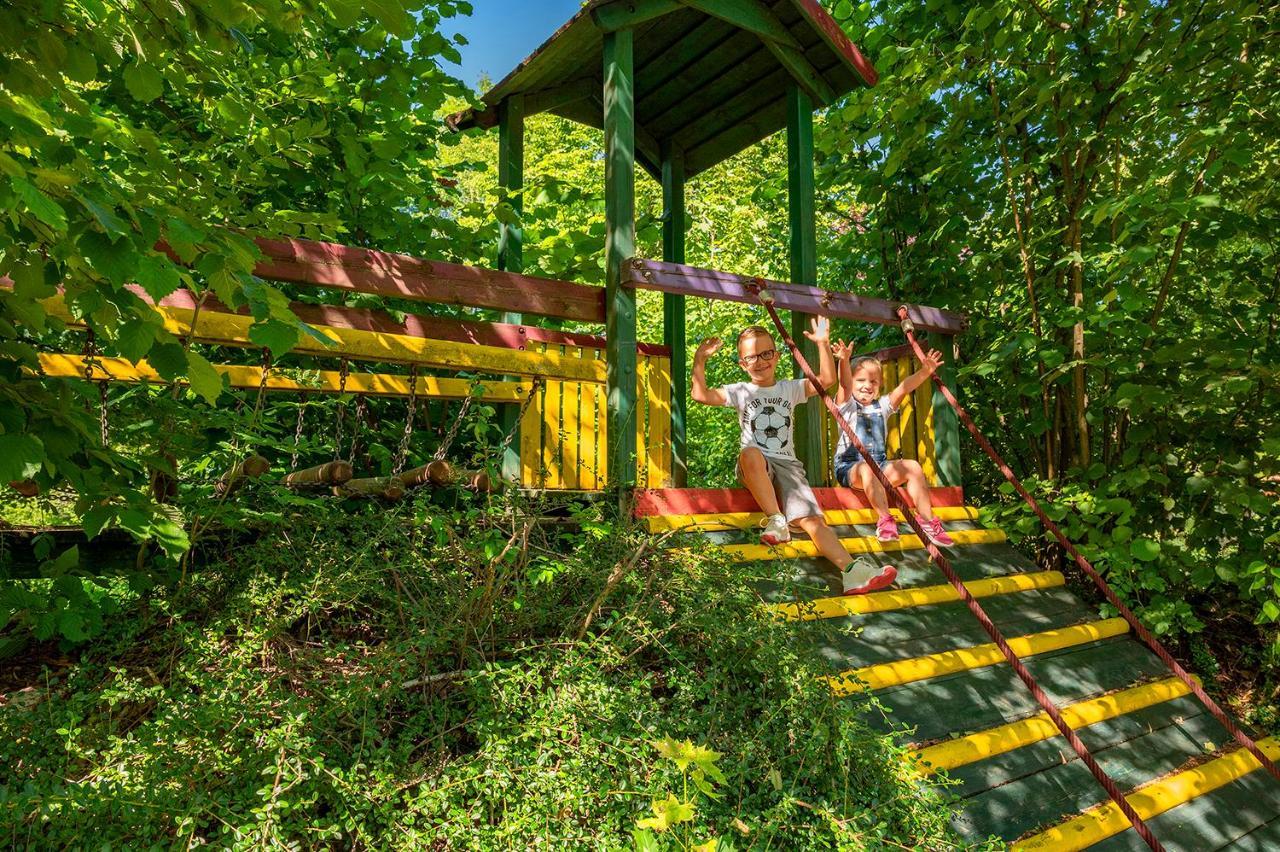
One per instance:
[(403, 450), (453, 428), (297, 432), (264, 373), (524, 406), (362, 411), (91, 361), (340, 411)]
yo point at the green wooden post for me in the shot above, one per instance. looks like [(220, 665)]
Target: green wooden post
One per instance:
[(620, 241), (946, 425), (804, 263), (511, 239), (673, 321)]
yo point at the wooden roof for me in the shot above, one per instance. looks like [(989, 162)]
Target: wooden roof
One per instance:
[(711, 76)]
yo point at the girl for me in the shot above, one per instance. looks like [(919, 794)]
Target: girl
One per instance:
[(867, 412)]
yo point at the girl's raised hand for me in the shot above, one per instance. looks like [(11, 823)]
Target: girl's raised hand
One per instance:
[(841, 350), (932, 361)]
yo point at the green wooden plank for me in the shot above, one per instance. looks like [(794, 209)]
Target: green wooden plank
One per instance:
[(511, 242), (749, 15), (1001, 769), (765, 93), (1260, 795), (620, 243), (883, 637), (1045, 798), (946, 425), (727, 70), (673, 315), (629, 13), (980, 699), (733, 139), (681, 56), (804, 262)]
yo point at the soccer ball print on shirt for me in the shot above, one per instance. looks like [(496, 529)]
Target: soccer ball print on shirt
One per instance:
[(771, 428)]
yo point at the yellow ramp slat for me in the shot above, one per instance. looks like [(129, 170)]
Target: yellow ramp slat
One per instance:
[(913, 669), (838, 607), (862, 544), (58, 365), (750, 520), (233, 330), (1106, 820), (1014, 735)]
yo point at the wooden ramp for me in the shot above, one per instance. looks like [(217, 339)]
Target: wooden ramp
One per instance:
[(946, 689)]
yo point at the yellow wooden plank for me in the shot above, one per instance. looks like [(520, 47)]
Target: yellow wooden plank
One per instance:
[(660, 463), (601, 444), (892, 438), (1107, 820), (553, 436), (1014, 735), (848, 605), (571, 425), (751, 520), (641, 413), (58, 365), (979, 656), (925, 451), (906, 423), (862, 544), (233, 330), (531, 439)]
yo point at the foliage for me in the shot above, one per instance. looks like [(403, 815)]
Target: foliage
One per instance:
[(404, 678)]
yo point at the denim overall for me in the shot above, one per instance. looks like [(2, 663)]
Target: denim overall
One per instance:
[(869, 424)]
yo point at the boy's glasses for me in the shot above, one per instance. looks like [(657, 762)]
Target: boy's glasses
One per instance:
[(765, 356)]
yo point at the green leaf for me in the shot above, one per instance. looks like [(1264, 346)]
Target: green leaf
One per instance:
[(65, 561), (169, 360), (157, 276), (97, 518), (205, 380), (20, 457), (134, 338), (116, 261), (666, 813), (277, 336), (143, 82), (40, 205), (1144, 549)]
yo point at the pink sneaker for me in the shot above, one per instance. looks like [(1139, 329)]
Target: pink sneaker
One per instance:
[(933, 529), (887, 528)]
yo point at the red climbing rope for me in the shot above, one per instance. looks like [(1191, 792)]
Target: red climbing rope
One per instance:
[(1145, 635), (944, 565)]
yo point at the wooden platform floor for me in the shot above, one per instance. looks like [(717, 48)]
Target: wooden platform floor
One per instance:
[(933, 684)]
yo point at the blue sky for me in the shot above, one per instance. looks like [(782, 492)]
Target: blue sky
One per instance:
[(503, 32)]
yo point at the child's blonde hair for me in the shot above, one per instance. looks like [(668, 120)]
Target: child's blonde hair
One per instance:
[(862, 361), (753, 331)]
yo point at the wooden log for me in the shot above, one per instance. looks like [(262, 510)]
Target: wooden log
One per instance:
[(415, 476), (383, 487), (329, 473), (730, 287), (440, 472), (25, 487), (251, 467)]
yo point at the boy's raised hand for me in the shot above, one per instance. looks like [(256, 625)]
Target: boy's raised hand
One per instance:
[(709, 347), (932, 361), (819, 330)]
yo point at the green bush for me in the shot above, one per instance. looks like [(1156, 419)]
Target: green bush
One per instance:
[(414, 678)]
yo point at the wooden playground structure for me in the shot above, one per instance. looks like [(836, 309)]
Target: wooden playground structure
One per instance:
[(677, 86)]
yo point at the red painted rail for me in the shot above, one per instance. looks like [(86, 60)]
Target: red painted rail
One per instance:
[(707, 501), (713, 284)]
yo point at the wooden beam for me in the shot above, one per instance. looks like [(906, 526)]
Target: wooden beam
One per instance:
[(293, 380), (673, 315), (751, 16), (546, 100), (400, 276), (233, 330), (837, 40), (623, 14), (729, 287), (804, 264), (501, 334), (620, 238), (946, 424)]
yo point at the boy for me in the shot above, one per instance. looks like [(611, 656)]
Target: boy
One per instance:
[(767, 463), (867, 412)]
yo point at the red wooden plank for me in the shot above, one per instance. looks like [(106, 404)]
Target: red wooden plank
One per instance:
[(501, 334), (709, 501), (401, 276), (838, 41), (714, 284)]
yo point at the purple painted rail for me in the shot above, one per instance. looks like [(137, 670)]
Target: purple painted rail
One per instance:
[(713, 284)]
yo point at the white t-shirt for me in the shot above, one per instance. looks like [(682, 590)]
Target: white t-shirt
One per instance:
[(767, 415)]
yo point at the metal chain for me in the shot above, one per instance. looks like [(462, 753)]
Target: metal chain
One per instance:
[(264, 373), (403, 450), (524, 406), (104, 426), (340, 412), (453, 428), (297, 431), (90, 354), (362, 412)]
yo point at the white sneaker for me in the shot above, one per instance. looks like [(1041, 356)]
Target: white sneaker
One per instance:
[(776, 531)]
